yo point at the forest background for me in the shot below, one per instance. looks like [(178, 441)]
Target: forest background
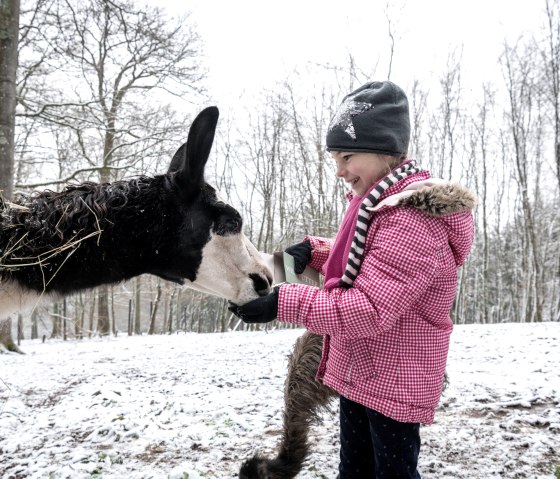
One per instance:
[(106, 90)]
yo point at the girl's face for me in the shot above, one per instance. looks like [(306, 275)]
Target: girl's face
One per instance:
[(361, 170)]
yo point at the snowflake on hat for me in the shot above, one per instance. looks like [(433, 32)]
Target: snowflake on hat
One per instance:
[(346, 113)]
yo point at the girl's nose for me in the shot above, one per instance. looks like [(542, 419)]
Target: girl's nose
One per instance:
[(340, 170)]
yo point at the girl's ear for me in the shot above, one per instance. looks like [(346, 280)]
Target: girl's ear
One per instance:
[(190, 159)]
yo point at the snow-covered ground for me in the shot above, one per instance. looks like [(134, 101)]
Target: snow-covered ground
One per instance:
[(196, 405)]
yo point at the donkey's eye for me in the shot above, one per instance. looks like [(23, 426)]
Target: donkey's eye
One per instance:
[(233, 225), (228, 226)]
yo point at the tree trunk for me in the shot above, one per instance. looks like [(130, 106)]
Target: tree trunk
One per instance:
[(178, 310), (9, 31), (6, 339), (165, 310), (91, 315), (152, 328), (171, 311), (34, 325), (64, 323), (80, 308), (103, 321), (552, 54), (129, 329), (137, 306), (55, 321), (113, 316), (19, 329)]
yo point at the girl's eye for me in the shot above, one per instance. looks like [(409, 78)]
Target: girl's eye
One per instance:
[(346, 158)]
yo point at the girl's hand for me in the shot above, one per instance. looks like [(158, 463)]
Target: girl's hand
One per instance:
[(302, 255), (260, 310)]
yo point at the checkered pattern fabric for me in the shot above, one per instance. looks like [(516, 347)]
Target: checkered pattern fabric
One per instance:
[(387, 337), (362, 221)]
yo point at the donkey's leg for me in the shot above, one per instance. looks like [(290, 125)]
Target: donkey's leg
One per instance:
[(303, 399)]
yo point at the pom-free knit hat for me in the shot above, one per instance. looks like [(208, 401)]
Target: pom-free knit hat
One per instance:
[(373, 119)]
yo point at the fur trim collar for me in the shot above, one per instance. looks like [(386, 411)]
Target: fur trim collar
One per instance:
[(434, 196)]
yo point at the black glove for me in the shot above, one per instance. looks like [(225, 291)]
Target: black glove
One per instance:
[(302, 255), (260, 310)]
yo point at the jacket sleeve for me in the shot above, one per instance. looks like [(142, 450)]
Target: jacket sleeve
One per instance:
[(321, 248), (396, 271)]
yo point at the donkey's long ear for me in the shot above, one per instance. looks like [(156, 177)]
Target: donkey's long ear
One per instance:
[(190, 159)]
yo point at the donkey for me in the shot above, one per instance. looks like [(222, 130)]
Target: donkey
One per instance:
[(173, 226)]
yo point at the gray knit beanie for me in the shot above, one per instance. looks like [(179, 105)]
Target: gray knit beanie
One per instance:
[(373, 119)]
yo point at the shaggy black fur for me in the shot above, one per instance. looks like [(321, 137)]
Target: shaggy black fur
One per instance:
[(304, 398), (92, 234)]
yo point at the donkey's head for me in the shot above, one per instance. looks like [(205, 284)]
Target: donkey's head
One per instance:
[(170, 225), (211, 252)]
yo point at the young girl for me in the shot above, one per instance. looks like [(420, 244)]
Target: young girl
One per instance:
[(390, 283)]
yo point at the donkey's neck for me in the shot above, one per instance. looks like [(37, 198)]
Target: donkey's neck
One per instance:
[(86, 236)]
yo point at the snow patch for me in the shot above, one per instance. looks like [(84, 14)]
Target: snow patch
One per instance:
[(195, 406)]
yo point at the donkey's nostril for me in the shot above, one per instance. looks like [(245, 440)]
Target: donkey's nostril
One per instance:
[(260, 283)]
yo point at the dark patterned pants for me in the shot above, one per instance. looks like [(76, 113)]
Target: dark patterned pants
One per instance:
[(373, 446)]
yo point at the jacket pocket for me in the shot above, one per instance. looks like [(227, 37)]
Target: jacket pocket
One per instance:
[(339, 360), (363, 367)]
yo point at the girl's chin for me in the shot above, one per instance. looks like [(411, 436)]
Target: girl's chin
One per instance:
[(358, 190)]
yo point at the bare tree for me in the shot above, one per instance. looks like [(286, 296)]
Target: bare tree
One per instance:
[(392, 16), (418, 104), (481, 125), (551, 60), (322, 196), (9, 26), (482, 278), (519, 71), (137, 305), (450, 107), (111, 57), (154, 309)]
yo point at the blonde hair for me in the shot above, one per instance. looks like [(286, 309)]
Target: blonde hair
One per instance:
[(391, 162)]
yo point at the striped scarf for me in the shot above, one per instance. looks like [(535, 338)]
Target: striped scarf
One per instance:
[(362, 222)]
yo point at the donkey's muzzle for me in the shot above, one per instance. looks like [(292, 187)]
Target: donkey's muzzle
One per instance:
[(261, 283)]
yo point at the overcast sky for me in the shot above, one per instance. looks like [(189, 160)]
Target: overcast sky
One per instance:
[(251, 44)]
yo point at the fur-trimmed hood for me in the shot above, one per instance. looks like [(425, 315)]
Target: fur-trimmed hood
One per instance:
[(433, 196), (436, 198), (441, 199), (450, 202)]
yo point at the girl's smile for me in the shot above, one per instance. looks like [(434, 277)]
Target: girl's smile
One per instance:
[(361, 170)]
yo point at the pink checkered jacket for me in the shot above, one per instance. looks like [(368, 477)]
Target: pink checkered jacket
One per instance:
[(386, 338)]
